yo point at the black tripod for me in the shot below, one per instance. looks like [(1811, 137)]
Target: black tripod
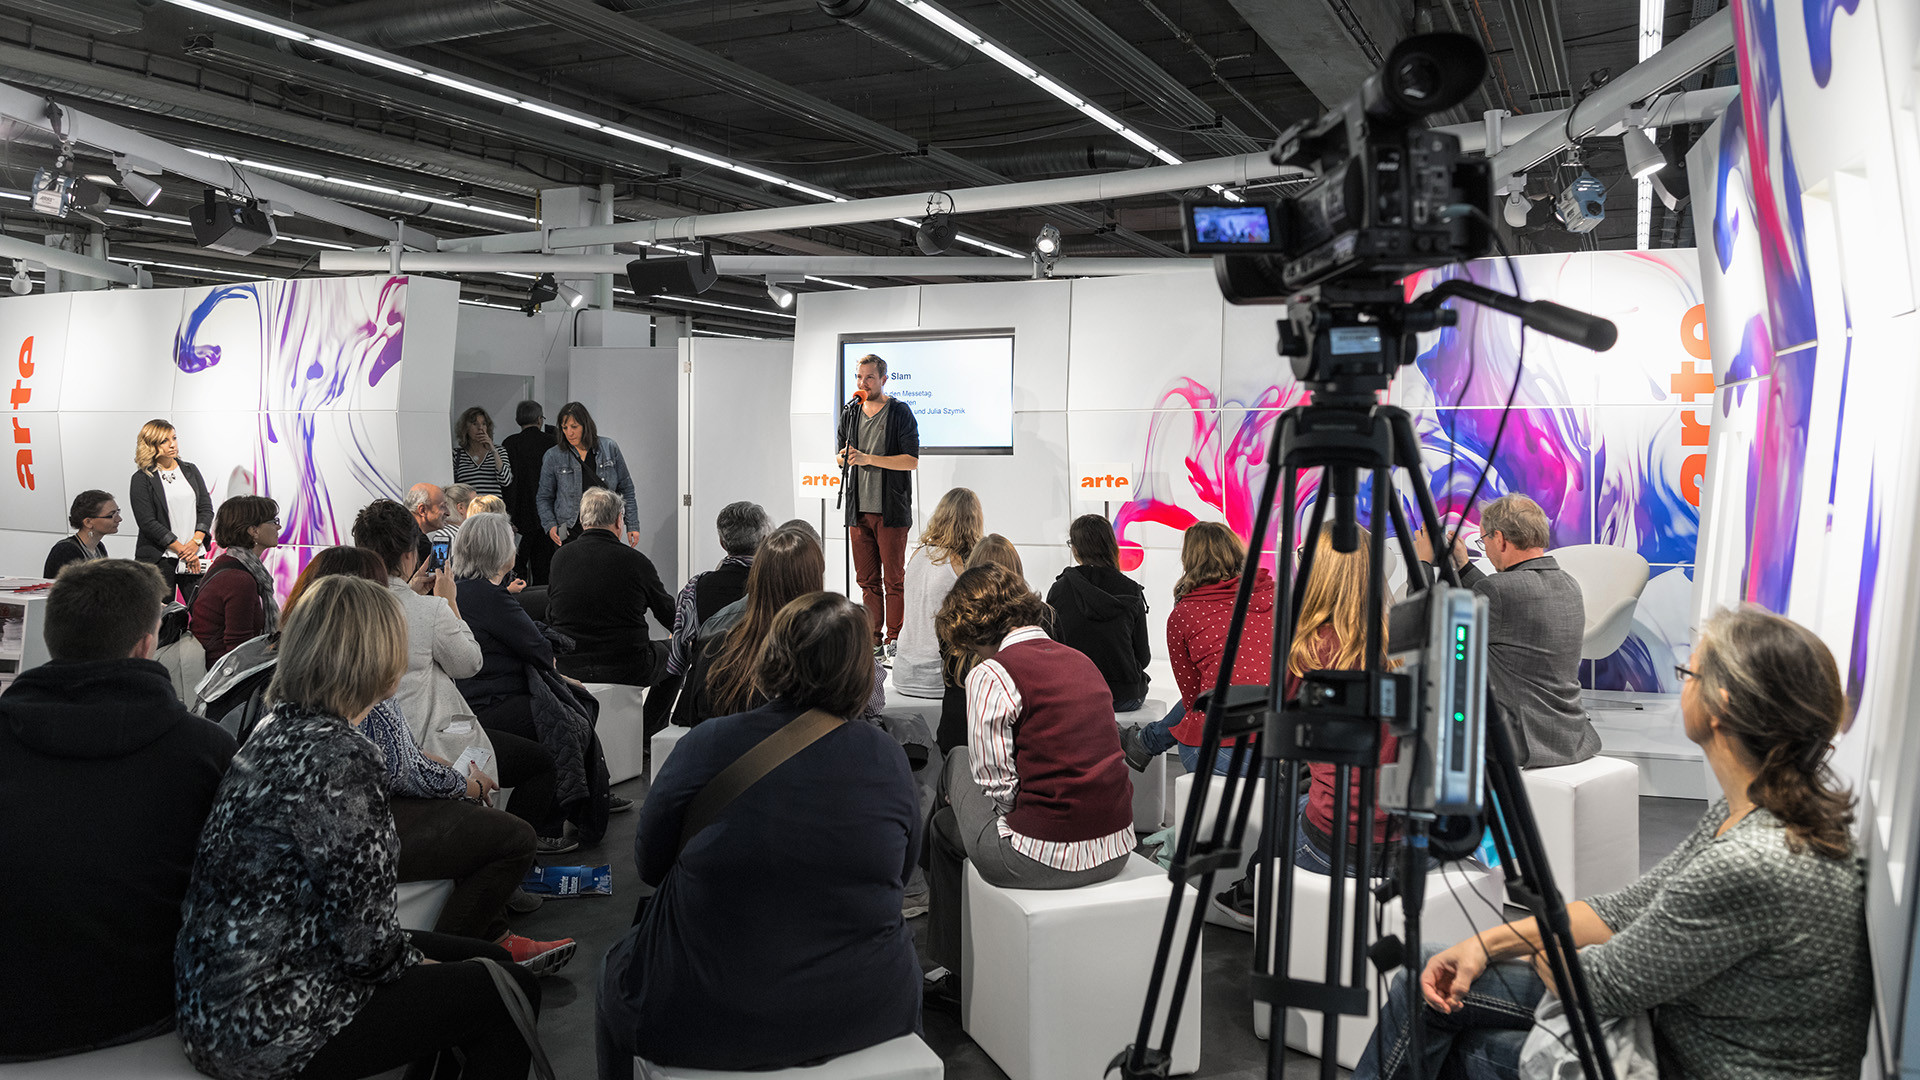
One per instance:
[(1347, 343)]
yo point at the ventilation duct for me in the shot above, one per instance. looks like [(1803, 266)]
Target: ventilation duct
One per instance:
[(895, 27), (389, 26)]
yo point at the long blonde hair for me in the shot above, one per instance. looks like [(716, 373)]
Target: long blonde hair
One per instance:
[(1209, 553), (954, 527), (1336, 595), (146, 449)]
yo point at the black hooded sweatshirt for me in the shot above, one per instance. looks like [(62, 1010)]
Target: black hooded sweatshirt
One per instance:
[(1103, 613), (105, 782)]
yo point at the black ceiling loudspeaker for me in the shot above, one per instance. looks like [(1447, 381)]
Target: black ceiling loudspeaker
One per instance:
[(935, 234), (235, 228), (681, 274)]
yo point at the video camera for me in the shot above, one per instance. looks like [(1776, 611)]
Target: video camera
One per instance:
[(1384, 190)]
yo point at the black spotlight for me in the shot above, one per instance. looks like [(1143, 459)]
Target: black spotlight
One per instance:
[(935, 234), (681, 274), (544, 290)]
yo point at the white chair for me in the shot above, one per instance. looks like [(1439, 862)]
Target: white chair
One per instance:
[(1227, 876), (622, 728), (1459, 897), (905, 1058), (664, 741), (158, 1058), (1588, 815), (1611, 580), (1149, 787), (421, 902), (1054, 978)]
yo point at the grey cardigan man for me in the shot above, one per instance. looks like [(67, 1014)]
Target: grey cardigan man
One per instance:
[(1536, 620)]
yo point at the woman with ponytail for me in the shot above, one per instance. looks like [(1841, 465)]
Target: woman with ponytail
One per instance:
[(1746, 947)]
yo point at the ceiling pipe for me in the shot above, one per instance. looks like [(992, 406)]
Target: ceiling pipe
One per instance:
[(67, 262), (1031, 194), (427, 22), (893, 26), (1696, 48), (886, 266), (1024, 162), (1689, 107)]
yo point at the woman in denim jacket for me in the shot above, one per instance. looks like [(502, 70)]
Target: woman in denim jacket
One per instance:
[(568, 469)]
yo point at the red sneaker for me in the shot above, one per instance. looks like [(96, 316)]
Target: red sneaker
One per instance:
[(539, 957)]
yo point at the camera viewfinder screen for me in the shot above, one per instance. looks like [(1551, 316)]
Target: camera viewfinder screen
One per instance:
[(1231, 225)]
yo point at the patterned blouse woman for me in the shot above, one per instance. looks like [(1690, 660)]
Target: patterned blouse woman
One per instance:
[(291, 960)]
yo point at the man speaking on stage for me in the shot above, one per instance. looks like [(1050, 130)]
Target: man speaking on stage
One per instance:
[(880, 441)]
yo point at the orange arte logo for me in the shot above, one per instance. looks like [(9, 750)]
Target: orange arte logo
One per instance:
[(22, 435), (1689, 384), (820, 480), (1107, 481)]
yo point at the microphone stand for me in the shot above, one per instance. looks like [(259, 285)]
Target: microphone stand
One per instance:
[(845, 439)]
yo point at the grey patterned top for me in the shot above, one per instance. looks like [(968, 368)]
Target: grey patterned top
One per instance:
[(1752, 959), (290, 920)]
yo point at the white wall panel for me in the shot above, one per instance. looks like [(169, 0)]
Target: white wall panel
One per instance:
[(120, 346), (729, 459), (634, 398), (824, 316), (1024, 496), (1133, 336), (1038, 313)]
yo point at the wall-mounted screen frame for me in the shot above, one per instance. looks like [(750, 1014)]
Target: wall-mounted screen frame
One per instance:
[(960, 412)]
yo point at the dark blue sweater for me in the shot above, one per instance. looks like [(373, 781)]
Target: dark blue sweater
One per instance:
[(776, 938)]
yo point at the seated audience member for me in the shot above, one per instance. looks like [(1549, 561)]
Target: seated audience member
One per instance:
[(105, 782), (446, 828), (1040, 797), (479, 464), (291, 960), (1536, 622), (1102, 612), (428, 505), (952, 531), (94, 515), (239, 606), (1746, 947), (486, 504), (741, 525), (459, 504), (788, 565), (500, 693), (956, 663), (1211, 560), (775, 939), (599, 592), (440, 648)]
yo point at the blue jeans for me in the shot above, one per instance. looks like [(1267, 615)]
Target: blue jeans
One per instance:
[(1158, 738), (1480, 1041), (1308, 856)]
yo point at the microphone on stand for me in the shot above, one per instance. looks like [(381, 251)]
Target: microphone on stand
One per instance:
[(846, 439)]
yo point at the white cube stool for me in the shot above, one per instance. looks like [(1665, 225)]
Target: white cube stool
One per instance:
[(905, 1058), (1588, 814), (1054, 978), (158, 1058), (1228, 876), (1150, 786), (1459, 897), (622, 728), (664, 741), (421, 902)]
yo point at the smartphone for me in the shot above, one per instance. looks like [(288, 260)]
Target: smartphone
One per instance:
[(439, 558)]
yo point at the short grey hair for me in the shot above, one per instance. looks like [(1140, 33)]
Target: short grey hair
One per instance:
[(417, 495), (742, 525), (600, 508), (1517, 518), (482, 547), (459, 495)]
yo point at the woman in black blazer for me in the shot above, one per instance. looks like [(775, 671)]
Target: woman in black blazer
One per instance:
[(163, 485)]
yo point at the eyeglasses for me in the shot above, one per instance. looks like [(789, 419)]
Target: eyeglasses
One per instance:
[(103, 517), (1685, 672)]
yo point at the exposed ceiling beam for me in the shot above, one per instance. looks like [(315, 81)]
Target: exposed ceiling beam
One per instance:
[(31, 109), (891, 266), (67, 262), (1332, 45), (1233, 171), (671, 54)]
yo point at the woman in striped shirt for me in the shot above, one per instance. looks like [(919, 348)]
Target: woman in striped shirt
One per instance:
[(478, 461), (1040, 797)]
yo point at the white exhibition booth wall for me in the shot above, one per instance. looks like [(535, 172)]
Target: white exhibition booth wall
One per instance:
[(324, 394), (1807, 208)]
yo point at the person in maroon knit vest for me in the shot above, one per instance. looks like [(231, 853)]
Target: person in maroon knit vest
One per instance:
[(1040, 797)]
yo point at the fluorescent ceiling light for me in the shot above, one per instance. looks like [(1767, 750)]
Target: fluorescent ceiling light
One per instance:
[(365, 57), (565, 117), (831, 281), (196, 269), (717, 304), (240, 19), (483, 303), (362, 185), (469, 88), (723, 333)]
